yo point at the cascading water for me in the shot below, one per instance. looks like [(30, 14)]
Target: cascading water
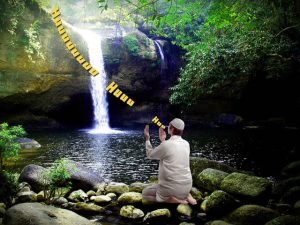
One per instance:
[(98, 83), (162, 56)]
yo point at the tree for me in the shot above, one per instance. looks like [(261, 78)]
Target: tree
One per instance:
[(8, 145)]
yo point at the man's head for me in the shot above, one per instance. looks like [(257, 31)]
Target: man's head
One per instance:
[(176, 127)]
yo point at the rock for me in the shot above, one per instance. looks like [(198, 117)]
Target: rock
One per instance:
[(292, 169), (137, 187), (185, 223), (157, 214), (291, 196), (58, 200), (82, 177), (130, 198), (199, 164), (39, 214), (131, 212), (33, 175), (40, 196), (297, 207), (218, 202), (153, 179), (28, 196), (22, 185), (87, 208), (283, 208), (2, 209), (77, 196), (250, 215), (210, 179), (24, 189), (101, 199), (196, 194), (219, 222), (91, 193), (184, 209), (101, 188), (247, 186), (111, 195), (27, 143), (284, 220), (285, 185), (118, 188)]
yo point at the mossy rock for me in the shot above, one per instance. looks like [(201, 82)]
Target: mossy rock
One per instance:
[(292, 169), (91, 193), (118, 188), (138, 187), (101, 199), (131, 212), (242, 185), (285, 185), (285, 220), (184, 209), (218, 202), (210, 179), (291, 196), (250, 215), (198, 195), (157, 214), (130, 198), (219, 222), (78, 196), (88, 208)]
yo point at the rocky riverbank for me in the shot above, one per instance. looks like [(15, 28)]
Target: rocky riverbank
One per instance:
[(224, 196)]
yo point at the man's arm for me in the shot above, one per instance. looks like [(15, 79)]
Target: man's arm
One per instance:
[(159, 151)]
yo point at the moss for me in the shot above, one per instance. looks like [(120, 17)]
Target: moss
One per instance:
[(131, 43)]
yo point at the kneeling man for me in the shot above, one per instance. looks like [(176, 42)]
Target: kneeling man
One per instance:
[(175, 179)]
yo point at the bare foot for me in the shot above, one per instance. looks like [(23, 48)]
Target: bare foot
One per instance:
[(173, 199), (191, 200)]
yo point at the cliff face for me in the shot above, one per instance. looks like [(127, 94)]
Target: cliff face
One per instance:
[(41, 84)]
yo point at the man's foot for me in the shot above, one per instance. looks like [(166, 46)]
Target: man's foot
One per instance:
[(173, 199), (191, 200)]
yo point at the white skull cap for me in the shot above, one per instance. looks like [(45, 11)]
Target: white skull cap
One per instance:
[(177, 123)]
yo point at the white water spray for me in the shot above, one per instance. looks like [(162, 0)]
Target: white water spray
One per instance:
[(162, 56)]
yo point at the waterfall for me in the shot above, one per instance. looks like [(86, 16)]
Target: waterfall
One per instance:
[(98, 83), (162, 56)]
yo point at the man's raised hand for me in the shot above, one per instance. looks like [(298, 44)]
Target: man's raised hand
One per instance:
[(146, 133), (162, 134)]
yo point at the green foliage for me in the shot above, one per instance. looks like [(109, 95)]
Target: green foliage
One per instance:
[(131, 43), (8, 186), (8, 146), (56, 178)]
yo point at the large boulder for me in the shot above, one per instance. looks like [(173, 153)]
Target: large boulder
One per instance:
[(210, 179), (250, 215), (199, 164), (39, 214), (249, 187), (218, 202), (33, 175), (27, 143), (285, 220), (82, 177), (131, 212)]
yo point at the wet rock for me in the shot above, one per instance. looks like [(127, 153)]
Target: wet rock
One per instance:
[(33, 175), (291, 196), (118, 188), (131, 212), (40, 214), (27, 143), (91, 193), (247, 186), (58, 200), (186, 223), (292, 169), (77, 196), (284, 220), (130, 198), (184, 209), (87, 208), (196, 194), (210, 179), (100, 188), (101, 199), (199, 164), (111, 195), (285, 185), (28, 196), (250, 215), (157, 214), (218, 202), (137, 187)]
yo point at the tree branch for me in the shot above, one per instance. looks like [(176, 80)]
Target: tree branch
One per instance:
[(287, 28)]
